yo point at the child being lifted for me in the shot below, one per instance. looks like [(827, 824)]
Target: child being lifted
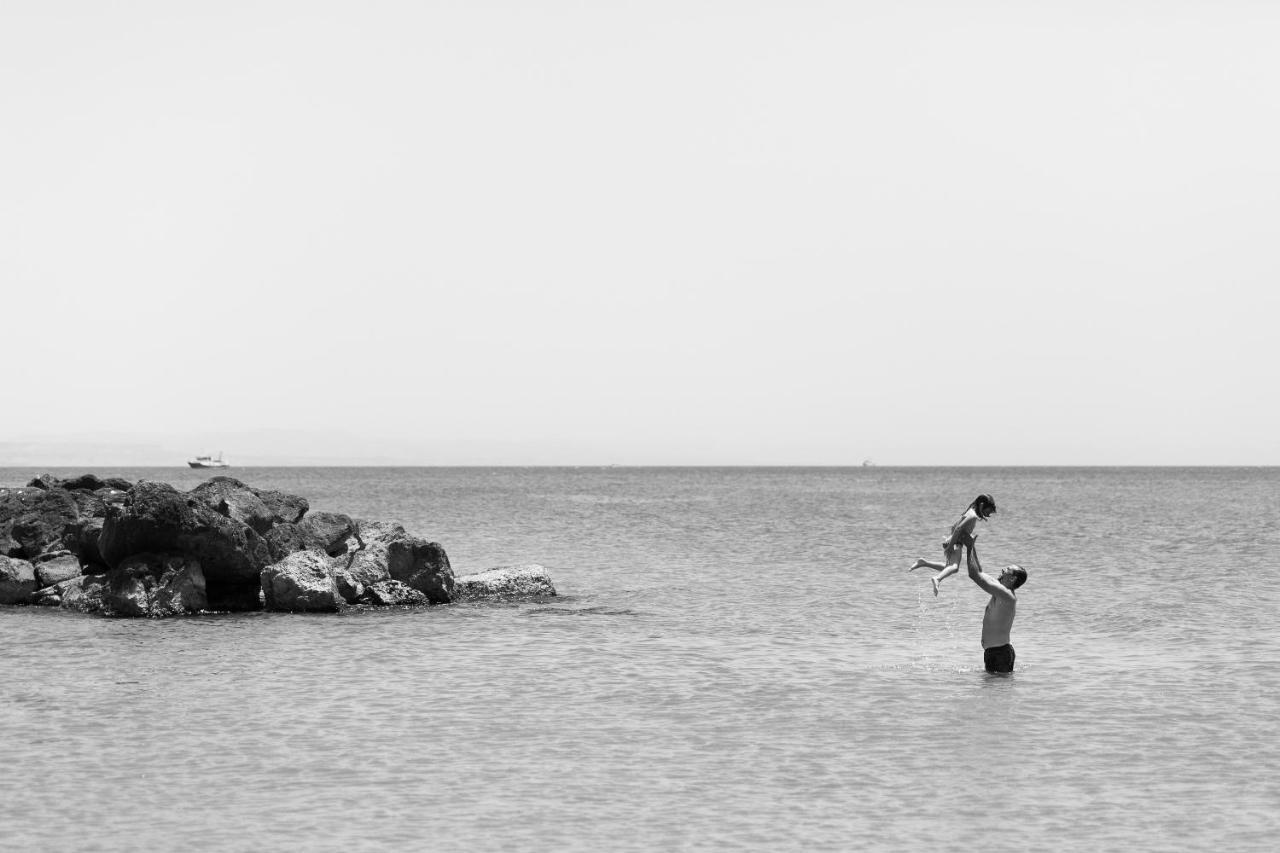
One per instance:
[(953, 546)]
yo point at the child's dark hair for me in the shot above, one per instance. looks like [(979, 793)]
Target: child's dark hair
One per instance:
[(983, 505)]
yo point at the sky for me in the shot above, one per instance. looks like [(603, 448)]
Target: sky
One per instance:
[(640, 233)]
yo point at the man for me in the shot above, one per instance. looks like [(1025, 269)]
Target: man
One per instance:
[(997, 619)]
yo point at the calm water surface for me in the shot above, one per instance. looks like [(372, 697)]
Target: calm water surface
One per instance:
[(737, 660)]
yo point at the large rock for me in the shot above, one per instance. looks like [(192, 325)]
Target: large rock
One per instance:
[(17, 581), (505, 582), (283, 507), (46, 482), (89, 482), (232, 498), (34, 520), (155, 585), (365, 562), (82, 535), (157, 518), (151, 520), (301, 581), (422, 565), (321, 531), (57, 569)]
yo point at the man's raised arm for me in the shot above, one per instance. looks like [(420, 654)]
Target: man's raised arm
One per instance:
[(982, 579)]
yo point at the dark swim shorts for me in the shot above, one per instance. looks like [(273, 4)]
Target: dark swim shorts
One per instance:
[(999, 659)]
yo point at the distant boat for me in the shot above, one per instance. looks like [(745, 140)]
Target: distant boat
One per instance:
[(208, 462), (867, 463)]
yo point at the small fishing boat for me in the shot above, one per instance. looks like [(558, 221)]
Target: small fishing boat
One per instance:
[(208, 462)]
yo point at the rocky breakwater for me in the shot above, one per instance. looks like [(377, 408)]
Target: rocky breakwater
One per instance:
[(145, 549)]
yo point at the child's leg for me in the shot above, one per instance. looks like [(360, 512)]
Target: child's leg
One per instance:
[(922, 563), (948, 571)]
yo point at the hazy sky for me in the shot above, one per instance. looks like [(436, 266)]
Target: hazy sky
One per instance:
[(546, 232)]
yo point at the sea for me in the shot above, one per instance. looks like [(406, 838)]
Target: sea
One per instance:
[(737, 659)]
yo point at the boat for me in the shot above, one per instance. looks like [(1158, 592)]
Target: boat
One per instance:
[(208, 462), (867, 463)]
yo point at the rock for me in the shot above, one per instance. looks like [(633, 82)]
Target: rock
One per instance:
[(329, 530), (150, 520), (422, 565), (157, 518), (350, 589), (365, 562), (233, 499), (45, 482), (85, 482), (84, 594), (301, 581), (284, 508), (17, 581), (375, 535), (283, 540), (50, 596), (82, 535), (394, 594), (57, 569), (525, 581), (82, 539), (34, 520), (323, 531), (88, 504), (155, 585)]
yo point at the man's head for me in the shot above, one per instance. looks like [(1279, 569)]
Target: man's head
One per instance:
[(1013, 576)]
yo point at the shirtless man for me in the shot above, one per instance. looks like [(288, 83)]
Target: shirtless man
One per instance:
[(997, 619)]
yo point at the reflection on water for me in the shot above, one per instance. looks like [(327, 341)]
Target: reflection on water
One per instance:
[(778, 681)]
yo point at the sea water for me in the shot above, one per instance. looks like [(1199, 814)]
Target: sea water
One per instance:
[(738, 659)]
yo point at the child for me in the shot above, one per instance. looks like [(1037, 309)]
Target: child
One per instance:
[(982, 507)]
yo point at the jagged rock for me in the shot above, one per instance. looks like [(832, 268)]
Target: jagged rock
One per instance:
[(330, 530), (365, 562), (50, 596), (45, 482), (232, 498), (157, 518), (150, 520), (17, 581), (375, 535), (390, 593), (85, 482), (283, 540), (83, 594), (322, 531), (283, 507), (88, 504), (301, 581), (422, 565), (82, 539), (57, 569), (81, 536), (155, 585), (525, 581), (350, 589), (34, 520)]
